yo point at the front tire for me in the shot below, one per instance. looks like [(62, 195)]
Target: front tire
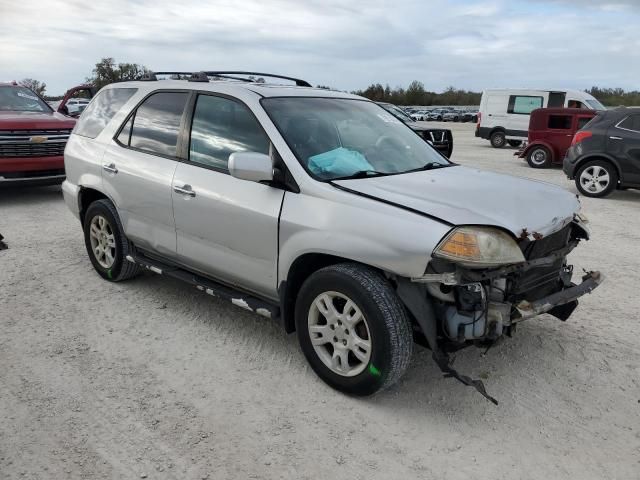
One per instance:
[(539, 157), (498, 139), (353, 329), (106, 242), (596, 179)]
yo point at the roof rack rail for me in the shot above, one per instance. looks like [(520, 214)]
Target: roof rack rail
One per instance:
[(298, 82), (204, 76)]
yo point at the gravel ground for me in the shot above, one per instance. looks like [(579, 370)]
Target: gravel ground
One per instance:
[(152, 379)]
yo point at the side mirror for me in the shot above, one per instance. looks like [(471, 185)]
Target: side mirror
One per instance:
[(252, 166)]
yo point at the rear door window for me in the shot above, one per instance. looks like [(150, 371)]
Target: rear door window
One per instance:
[(156, 124), (523, 104), (560, 122), (101, 110)]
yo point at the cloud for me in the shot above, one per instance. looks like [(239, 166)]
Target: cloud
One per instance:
[(344, 44)]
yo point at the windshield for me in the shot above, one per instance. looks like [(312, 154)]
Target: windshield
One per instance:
[(337, 138), (20, 99), (595, 104)]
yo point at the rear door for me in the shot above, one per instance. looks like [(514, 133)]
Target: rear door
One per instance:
[(138, 168), (226, 228), (624, 144), (560, 130)]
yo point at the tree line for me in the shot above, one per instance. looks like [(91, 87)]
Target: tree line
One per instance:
[(416, 94), (106, 71)]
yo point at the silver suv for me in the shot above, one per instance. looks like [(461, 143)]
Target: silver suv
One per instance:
[(322, 210)]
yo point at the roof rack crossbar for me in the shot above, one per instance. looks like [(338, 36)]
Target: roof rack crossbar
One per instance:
[(298, 82)]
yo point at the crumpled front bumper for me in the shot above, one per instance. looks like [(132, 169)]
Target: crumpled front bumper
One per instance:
[(531, 309)]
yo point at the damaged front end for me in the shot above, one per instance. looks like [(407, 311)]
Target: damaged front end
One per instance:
[(458, 303)]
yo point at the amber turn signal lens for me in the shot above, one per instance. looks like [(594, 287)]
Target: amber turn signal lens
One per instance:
[(461, 245)]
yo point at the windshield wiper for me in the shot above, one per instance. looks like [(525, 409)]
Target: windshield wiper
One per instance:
[(430, 166), (361, 174)]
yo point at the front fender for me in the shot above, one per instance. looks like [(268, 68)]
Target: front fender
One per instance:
[(360, 229)]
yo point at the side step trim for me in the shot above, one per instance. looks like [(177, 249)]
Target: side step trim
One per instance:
[(210, 287)]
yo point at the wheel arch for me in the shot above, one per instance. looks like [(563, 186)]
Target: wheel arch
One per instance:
[(86, 196), (301, 269)]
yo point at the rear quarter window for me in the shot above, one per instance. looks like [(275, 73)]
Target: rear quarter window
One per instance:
[(101, 110), (632, 122)]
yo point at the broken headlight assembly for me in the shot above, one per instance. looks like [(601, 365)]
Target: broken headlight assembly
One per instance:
[(479, 247)]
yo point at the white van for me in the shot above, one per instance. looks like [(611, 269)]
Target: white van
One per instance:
[(504, 113)]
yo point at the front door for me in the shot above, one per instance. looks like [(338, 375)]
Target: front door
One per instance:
[(226, 228), (138, 168)]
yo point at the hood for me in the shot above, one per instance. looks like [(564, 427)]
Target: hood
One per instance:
[(467, 196), (34, 120)]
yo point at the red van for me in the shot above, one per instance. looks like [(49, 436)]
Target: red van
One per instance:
[(550, 133)]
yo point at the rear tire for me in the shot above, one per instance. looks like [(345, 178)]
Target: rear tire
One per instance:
[(351, 311), (106, 242), (498, 139), (596, 179), (539, 157)]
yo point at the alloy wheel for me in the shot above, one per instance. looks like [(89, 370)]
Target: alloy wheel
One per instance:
[(339, 334), (594, 179), (103, 243)]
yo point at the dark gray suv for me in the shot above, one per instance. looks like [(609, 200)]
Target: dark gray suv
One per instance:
[(605, 154)]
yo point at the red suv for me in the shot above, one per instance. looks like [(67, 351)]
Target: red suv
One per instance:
[(32, 138), (550, 133)]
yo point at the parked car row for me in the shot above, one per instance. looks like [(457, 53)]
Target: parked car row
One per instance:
[(445, 114)]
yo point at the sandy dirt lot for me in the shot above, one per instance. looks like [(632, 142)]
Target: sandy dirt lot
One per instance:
[(152, 379)]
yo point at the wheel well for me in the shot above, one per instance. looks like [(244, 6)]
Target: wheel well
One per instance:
[(300, 270), (87, 197), (601, 159), (496, 129)]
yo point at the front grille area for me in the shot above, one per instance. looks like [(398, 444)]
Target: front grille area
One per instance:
[(542, 281), (33, 143)]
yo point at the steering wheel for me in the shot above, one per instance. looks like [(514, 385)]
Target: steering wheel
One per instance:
[(386, 141)]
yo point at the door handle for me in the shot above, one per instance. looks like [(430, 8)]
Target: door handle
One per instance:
[(111, 168), (615, 138), (185, 190)]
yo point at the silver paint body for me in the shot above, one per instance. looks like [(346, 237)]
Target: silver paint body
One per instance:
[(249, 234)]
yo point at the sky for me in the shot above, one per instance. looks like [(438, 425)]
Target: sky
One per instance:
[(345, 44)]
